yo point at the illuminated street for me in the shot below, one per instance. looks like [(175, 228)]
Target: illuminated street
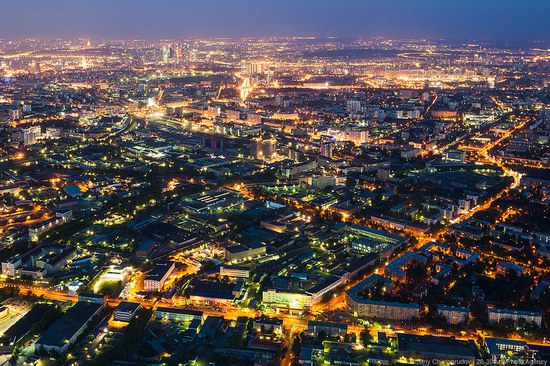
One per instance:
[(256, 183)]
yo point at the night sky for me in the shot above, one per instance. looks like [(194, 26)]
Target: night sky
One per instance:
[(497, 20)]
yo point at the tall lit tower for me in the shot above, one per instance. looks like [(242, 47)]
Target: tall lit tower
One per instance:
[(165, 54), (179, 54)]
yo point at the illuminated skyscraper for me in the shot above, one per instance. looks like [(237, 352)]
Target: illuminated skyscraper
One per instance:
[(179, 54), (165, 54)]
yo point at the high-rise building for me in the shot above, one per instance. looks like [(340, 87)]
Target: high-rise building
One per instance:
[(261, 149), (171, 52), (253, 68), (179, 54), (353, 106), (15, 114), (546, 118), (165, 54), (383, 174), (269, 147), (188, 54), (256, 148), (327, 143), (30, 135)]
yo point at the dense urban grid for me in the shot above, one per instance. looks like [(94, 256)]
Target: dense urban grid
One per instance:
[(274, 201)]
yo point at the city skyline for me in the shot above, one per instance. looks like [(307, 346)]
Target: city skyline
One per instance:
[(508, 21), (275, 183)]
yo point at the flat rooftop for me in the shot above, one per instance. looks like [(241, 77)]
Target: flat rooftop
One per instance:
[(65, 327)]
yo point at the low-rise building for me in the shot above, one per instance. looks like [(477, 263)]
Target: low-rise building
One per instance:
[(333, 329), (380, 236), (60, 218), (156, 278), (268, 325), (436, 348), (505, 267), (41, 261), (66, 330), (324, 287), (385, 310), (235, 271), (454, 314), (497, 315), (240, 253), (125, 311), (180, 315), (290, 299), (90, 297), (396, 270), (499, 348), (366, 308), (205, 291)]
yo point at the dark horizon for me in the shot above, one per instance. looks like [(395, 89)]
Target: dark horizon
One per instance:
[(501, 21)]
